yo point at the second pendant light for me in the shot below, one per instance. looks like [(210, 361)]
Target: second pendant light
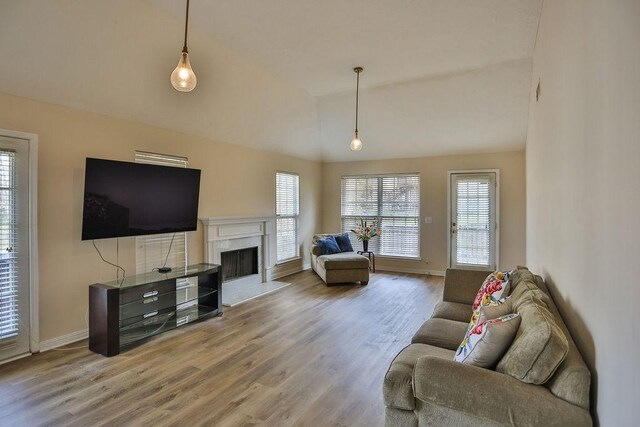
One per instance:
[(356, 143)]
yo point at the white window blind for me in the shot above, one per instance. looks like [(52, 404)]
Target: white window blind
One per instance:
[(152, 250), (392, 200), (9, 269), (474, 221), (287, 215)]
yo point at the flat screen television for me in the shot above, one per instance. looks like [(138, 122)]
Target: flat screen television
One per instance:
[(133, 199)]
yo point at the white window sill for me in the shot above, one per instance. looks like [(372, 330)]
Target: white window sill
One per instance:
[(399, 258), (474, 267)]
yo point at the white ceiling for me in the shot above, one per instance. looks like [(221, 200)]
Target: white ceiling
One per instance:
[(315, 44), (441, 76)]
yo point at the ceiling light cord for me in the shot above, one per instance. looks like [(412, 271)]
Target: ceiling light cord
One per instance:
[(183, 79), (186, 29), (357, 97)]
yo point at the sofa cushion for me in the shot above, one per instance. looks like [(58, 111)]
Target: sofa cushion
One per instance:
[(540, 283), (452, 311), (329, 245), (343, 261), (397, 389), (344, 242), (521, 274), (539, 347), (518, 275), (443, 333), (453, 394), (527, 291), (487, 341)]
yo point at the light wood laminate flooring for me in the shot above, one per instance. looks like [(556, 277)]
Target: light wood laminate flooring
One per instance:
[(307, 355)]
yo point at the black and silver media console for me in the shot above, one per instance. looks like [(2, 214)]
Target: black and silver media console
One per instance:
[(124, 313)]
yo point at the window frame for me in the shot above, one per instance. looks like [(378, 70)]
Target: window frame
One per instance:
[(31, 140), (450, 174), (296, 217), (379, 204)]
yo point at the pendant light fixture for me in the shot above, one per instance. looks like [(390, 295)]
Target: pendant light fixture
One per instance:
[(356, 143), (183, 78)]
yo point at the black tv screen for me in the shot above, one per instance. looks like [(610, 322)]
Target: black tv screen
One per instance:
[(132, 199)]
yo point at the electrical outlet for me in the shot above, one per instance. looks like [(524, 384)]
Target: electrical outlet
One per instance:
[(428, 220)]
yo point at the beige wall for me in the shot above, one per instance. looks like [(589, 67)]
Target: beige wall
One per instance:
[(433, 200), (235, 181), (583, 187)]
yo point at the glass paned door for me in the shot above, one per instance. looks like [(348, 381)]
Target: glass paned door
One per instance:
[(473, 225), (14, 247)]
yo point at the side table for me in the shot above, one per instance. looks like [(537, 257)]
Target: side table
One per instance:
[(372, 259)]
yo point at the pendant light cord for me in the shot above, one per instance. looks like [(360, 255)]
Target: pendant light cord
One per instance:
[(357, 98), (186, 28)]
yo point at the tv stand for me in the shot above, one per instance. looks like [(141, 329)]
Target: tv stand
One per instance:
[(123, 314)]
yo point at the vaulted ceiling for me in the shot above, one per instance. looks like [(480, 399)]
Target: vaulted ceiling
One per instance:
[(441, 76)]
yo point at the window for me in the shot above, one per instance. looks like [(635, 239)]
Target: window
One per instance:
[(287, 215), (152, 250), (392, 200), (473, 220)]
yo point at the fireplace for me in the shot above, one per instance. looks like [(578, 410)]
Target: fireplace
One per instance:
[(239, 263), (236, 234)]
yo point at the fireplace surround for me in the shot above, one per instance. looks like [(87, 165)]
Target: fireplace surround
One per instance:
[(227, 234)]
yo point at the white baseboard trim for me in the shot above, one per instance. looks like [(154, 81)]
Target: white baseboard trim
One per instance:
[(64, 340), (411, 271), (286, 272), (11, 359), (435, 273)]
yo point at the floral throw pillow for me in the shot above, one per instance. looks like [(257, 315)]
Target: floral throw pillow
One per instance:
[(494, 287), (487, 341), (492, 310)]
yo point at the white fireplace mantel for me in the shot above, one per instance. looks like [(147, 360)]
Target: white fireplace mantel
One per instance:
[(230, 233)]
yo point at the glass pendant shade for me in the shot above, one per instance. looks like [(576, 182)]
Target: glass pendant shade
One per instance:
[(356, 144), (183, 78)]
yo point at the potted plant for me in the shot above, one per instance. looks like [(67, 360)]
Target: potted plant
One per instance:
[(366, 231)]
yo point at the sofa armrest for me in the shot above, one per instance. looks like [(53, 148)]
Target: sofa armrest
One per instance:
[(316, 250), (461, 286), (492, 396)]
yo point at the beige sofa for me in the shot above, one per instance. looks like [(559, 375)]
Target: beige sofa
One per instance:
[(345, 267), (424, 386)]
